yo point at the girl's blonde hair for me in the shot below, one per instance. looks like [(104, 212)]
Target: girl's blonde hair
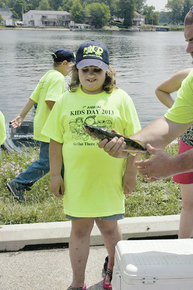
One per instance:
[(108, 86)]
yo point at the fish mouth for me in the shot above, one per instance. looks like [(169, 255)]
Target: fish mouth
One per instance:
[(86, 129)]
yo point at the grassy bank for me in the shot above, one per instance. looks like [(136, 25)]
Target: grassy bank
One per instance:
[(158, 198)]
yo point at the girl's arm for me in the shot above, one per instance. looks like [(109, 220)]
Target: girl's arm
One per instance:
[(164, 90), (130, 176), (50, 104), (19, 119), (57, 183)]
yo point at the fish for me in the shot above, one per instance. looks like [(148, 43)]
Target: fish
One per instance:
[(132, 146)]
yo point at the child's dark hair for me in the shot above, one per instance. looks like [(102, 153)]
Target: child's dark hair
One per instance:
[(108, 86), (189, 17), (57, 63)]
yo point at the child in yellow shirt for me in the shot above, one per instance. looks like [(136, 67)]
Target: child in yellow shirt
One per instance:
[(93, 181)]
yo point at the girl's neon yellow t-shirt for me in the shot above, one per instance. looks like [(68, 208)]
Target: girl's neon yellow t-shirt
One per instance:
[(93, 179), (2, 128)]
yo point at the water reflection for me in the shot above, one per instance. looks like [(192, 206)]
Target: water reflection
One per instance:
[(141, 59)]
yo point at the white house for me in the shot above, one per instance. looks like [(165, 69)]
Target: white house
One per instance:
[(6, 15), (42, 18), (138, 19)]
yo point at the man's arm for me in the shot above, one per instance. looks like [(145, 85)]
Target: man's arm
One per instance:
[(158, 133)]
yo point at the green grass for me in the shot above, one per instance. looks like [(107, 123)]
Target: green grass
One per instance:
[(148, 199)]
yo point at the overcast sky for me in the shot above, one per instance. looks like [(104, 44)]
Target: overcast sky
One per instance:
[(158, 4)]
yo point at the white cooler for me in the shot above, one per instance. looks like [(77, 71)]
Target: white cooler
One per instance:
[(153, 264)]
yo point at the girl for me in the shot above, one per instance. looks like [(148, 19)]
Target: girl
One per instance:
[(93, 181)]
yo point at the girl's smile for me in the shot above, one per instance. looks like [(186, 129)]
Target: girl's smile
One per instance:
[(92, 79)]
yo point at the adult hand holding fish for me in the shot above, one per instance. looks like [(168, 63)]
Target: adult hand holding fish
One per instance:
[(152, 169)]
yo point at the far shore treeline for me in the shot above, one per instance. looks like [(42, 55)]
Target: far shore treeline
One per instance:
[(104, 12)]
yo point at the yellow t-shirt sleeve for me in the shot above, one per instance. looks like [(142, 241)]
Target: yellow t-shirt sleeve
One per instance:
[(53, 128), (182, 110), (2, 128)]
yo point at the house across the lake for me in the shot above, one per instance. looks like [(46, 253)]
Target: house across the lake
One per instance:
[(6, 14), (43, 18), (138, 20)]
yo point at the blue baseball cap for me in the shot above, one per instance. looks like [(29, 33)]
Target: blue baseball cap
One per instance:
[(63, 54), (92, 53)]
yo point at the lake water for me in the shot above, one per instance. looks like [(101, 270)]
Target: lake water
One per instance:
[(141, 59)]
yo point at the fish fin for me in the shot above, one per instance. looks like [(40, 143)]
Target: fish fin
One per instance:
[(132, 153), (139, 142)]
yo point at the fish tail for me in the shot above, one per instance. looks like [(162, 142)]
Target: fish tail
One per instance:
[(146, 155)]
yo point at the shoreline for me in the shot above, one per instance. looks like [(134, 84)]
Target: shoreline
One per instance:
[(105, 28)]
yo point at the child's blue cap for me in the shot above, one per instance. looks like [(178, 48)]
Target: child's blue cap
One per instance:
[(92, 53), (63, 54)]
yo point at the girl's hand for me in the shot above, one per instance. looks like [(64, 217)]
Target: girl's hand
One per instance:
[(57, 185), (15, 123), (129, 182), (114, 147)]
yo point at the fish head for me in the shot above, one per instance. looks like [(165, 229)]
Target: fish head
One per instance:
[(95, 132), (90, 130)]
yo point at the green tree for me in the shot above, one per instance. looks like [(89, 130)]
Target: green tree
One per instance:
[(44, 5), (112, 4), (15, 15), (148, 12), (126, 11), (77, 12), (7, 3), (1, 19), (98, 13), (67, 4), (175, 10), (139, 5), (164, 17), (2, 4), (32, 4), (187, 4), (156, 18), (54, 4), (19, 8)]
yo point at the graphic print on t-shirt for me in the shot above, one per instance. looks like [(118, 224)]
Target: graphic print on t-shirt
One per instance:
[(91, 115)]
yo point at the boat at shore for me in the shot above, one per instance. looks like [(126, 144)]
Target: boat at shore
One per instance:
[(19, 138)]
